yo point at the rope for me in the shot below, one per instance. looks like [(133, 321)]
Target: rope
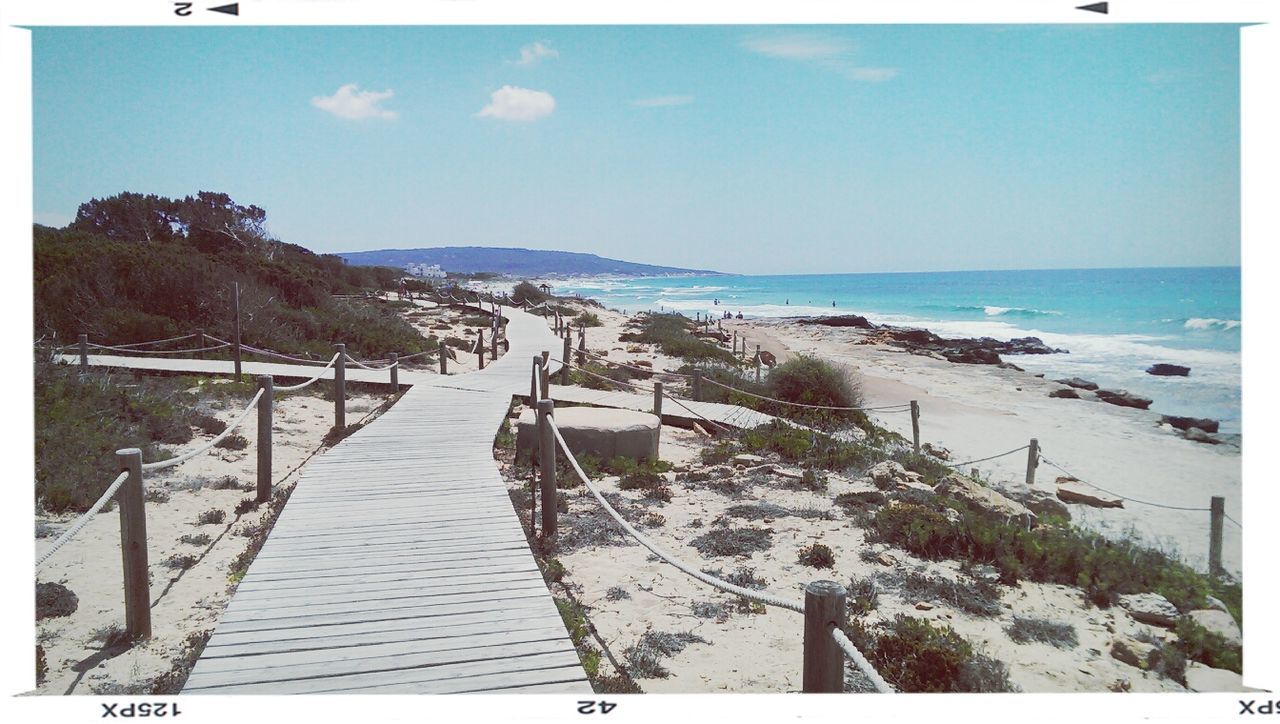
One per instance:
[(602, 358), (156, 341), (1233, 520), (1124, 497), (861, 662), (765, 598), (188, 455), (161, 351), (362, 365), (84, 519), (993, 457), (295, 388), (889, 408)]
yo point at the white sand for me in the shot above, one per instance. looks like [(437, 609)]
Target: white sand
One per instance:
[(184, 602)]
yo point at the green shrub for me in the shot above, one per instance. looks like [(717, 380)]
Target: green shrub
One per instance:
[(863, 595), (1209, 648), (673, 333), (587, 319), (733, 541), (917, 656), (817, 556), (1057, 633), (233, 442), (527, 292), (214, 516), (553, 570)]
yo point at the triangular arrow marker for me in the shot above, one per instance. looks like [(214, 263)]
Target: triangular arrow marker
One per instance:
[(1094, 8), (234, 9)]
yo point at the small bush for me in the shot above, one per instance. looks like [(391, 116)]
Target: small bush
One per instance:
[(616, 593), (813, 480), (718, 453), (214, 516), (208, 424), (643, 659), (233, 442), (181, 561), (201, 539), (980, 598), (863, 595), (553, 570), (54, 600), (587, 319), (733, 542), (226, 482), (917, 656), (1211, 649), (1055, 633), (742, 577), (156, 495), (817, 556), (246, 505)]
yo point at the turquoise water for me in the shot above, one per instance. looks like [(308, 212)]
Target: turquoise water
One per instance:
[(1114, 322)]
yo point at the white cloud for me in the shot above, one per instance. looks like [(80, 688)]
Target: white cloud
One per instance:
[(354, 104), (657, 101), (535, 52), (510, 103), (872, 75), (799, 47)]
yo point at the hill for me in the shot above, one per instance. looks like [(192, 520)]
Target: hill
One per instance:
[(514, 262), (136, 267)]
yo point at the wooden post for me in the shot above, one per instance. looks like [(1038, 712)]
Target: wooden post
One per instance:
[(975, 473), (133, 546), (568, 350), (915, 425), (657, 400), (697, 385), (547, 458), (84, 351), (533, 382), (235, 345), (545, 377), (444, 357), (735, 343), (824, 610), (395, 373), (1033, 460), (1216, 512), (200, 342), (267, 385), (758, 363), (582, 346), (340, 388), (493, 337), (480, 349)]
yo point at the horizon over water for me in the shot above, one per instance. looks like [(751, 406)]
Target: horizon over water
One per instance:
[(1114, 322)]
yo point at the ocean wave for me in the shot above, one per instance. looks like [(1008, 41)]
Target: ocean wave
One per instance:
[(1202, 323)]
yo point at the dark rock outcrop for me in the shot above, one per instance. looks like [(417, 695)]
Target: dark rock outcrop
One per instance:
[(1168, 370), (1066, 393), (1079, 384), (1124, 399), (1186, 423), (843, 320)]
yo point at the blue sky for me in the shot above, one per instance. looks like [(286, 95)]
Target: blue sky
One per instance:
[(754, 149)]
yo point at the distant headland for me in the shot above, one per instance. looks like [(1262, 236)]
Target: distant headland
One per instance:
[(513, 262)]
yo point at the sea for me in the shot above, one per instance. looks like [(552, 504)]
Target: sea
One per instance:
[(1114, 323)]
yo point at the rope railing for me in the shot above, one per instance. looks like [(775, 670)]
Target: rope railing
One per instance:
[(658, 373), (362, 365), (992, 457), (84, 518), (160, 351), (766, 598), (861, 662), (1118, 495), (320, 374), (253, 403), (154, 341)]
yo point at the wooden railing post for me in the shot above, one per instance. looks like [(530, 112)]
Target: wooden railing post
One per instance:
[(493, 336), (340, 388), (545, 377), (200, 344), (444, 357), (395, 373), (547, 459), (824, 611), (480, 349), (735, 343), (657, 400), (1033, 460), (582, 346), (133, 546), (564, 371), (534, 387), (758, 363), (84, 352), (1216, 512), (697, 385), (235, 344), (915, 425), (265, 403)]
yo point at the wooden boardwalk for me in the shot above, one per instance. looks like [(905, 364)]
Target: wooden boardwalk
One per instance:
[(399, 565)]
